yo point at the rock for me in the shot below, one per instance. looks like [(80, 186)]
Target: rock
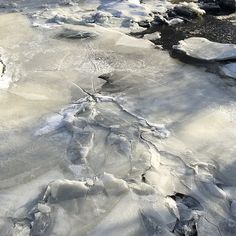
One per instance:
[(229, 70), (106, 77), (205, 50), (159, 20), (228, 5), (214, 7), (210, 7), (1, 68), (144, 24), (183, 11)]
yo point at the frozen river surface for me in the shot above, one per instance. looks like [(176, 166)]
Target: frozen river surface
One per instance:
[(104, 134)]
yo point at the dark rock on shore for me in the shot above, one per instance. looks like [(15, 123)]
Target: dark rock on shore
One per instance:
[(185, 12), (229, 5), (144, 24), (218, 7)]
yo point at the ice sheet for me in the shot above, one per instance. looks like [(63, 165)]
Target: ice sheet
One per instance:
[(107, 135)]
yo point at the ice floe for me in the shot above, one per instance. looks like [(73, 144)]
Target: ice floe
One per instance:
[(203, 49)]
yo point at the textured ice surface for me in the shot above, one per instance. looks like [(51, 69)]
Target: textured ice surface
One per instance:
[(229, 70), (203, 49), (101, 134)]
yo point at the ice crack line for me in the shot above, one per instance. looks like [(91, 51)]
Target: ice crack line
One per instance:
[(100, 98), (213, 225), (68, 114), (86, 92)]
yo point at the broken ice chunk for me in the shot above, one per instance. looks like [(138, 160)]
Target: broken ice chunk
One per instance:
[(61, 190), (113, 185), (43, 208), (203, 49)]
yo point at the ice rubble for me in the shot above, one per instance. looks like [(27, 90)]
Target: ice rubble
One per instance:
[(157, 177), (132, 9), (203, 49), (116, 14), (116, 168), (125, 16)]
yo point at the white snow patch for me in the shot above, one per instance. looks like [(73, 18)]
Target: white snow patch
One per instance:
[(194, 7), (153, 36)]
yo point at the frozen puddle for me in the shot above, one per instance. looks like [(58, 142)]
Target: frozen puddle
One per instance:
[(104, 134)]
